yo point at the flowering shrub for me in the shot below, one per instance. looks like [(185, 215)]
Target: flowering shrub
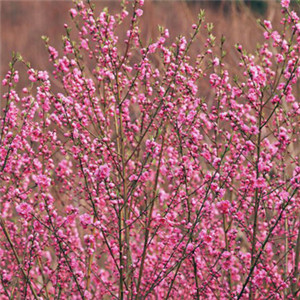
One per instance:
[(120, 181)]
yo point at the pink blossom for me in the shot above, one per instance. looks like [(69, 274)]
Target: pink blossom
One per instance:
[(216, 61), (43, 75), (139, 12), (24, 210), (223, 206), (53, 52), (32, 75), (190, 247), (16, 76), (103, 172), (73, 12), (85, 220), (285, 3), (268, 24), (260, 182), (42, 180), (133, 177), (84, 44)]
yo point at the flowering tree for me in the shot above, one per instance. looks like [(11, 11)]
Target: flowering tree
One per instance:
[(118, 180)]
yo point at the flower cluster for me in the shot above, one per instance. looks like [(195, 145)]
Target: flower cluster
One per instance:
[(121, 181)]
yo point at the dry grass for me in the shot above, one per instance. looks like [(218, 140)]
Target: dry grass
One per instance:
[(23, 23)]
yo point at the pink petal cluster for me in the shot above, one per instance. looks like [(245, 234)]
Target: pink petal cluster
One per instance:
[(121, 177)]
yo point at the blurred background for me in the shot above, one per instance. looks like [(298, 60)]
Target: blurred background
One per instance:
[(24, 22)]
